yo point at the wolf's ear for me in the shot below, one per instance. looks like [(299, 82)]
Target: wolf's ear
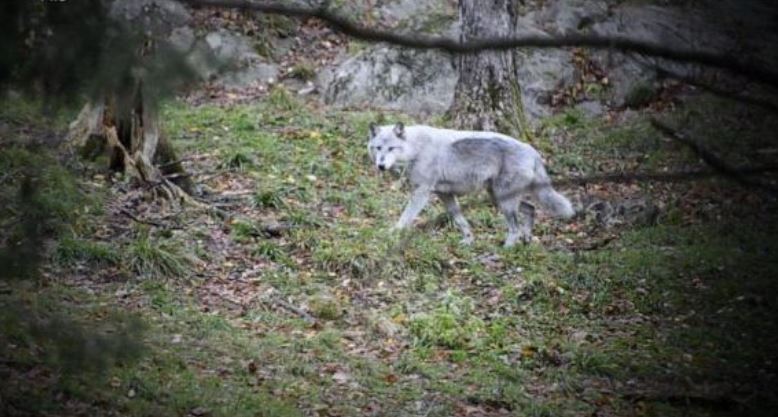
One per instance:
[(399, 130), (373, 129)]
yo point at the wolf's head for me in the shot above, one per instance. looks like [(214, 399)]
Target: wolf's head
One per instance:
[(388, 145)]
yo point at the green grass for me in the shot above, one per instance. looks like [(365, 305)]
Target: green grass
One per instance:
[(71, 251), (303, 71), (152, 259), (413, 323)]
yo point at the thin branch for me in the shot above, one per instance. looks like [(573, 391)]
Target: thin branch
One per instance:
[(677, 176), (712, 160), (423, 41), (139, 220), (275, 229), (597, 245), (172, 163), (294, 309)]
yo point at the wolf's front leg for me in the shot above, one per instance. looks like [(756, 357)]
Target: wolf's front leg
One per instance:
[(452, 206), (419, 199)]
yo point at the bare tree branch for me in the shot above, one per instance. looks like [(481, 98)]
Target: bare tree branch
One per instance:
[(712, 160), (423, 41), (139, 220), (678, 176)]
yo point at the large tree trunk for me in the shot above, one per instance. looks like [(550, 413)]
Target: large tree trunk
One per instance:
[(124, 123), (132, 138), (488, 94)]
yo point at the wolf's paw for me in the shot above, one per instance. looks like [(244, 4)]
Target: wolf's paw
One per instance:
[(524, 238)]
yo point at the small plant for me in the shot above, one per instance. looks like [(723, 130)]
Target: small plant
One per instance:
[(153, 260), (452, 325), (325, 307), (304, 218), (281, 99), (270, 199), (71, 251), (243, 231), (594, 363), (268, 249), (237, 160), (303, 71)]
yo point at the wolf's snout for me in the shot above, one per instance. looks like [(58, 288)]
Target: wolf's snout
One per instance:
[(382, 167)]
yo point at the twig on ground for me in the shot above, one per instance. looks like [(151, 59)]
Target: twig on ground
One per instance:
[(275, 229), (179, 175), (206, 174), (139, 220), (289, 307), (599, 244), (171, 163)]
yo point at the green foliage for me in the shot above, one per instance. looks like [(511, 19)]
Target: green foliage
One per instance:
[(244, 230), (42, 198), (326, 307), (667, 302), (281, 99), (452, 324), (270, 250), (270, 198), (152, 259), (237, 160), (303, 71), (69, 344), (593, 363), (53, 191), (71, 251)]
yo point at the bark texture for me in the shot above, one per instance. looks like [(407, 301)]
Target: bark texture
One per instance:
[(488, 94), (124, 123)]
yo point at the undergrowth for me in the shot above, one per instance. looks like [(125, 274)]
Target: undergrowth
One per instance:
[(334, 314)]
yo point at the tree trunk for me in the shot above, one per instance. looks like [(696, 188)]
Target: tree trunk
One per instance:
[(124, 123), (488, 94)]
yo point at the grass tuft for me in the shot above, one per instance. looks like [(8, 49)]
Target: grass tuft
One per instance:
[(150, 259), (71, 251)]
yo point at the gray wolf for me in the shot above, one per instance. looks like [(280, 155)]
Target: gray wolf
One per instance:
[(450, 163)]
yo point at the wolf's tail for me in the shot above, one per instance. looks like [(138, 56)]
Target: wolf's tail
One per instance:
[(556, 203)]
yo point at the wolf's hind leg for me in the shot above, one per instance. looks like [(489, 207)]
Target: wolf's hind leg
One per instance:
[(527, 212), (452, 206), (510, 209)]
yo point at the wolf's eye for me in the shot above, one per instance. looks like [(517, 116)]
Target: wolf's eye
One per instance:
[(391, 148), (378, 148)]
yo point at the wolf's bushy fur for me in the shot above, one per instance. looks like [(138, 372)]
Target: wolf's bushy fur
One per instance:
[(450, 163)]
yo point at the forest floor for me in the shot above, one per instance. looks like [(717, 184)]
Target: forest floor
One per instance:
[(291, 297)]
